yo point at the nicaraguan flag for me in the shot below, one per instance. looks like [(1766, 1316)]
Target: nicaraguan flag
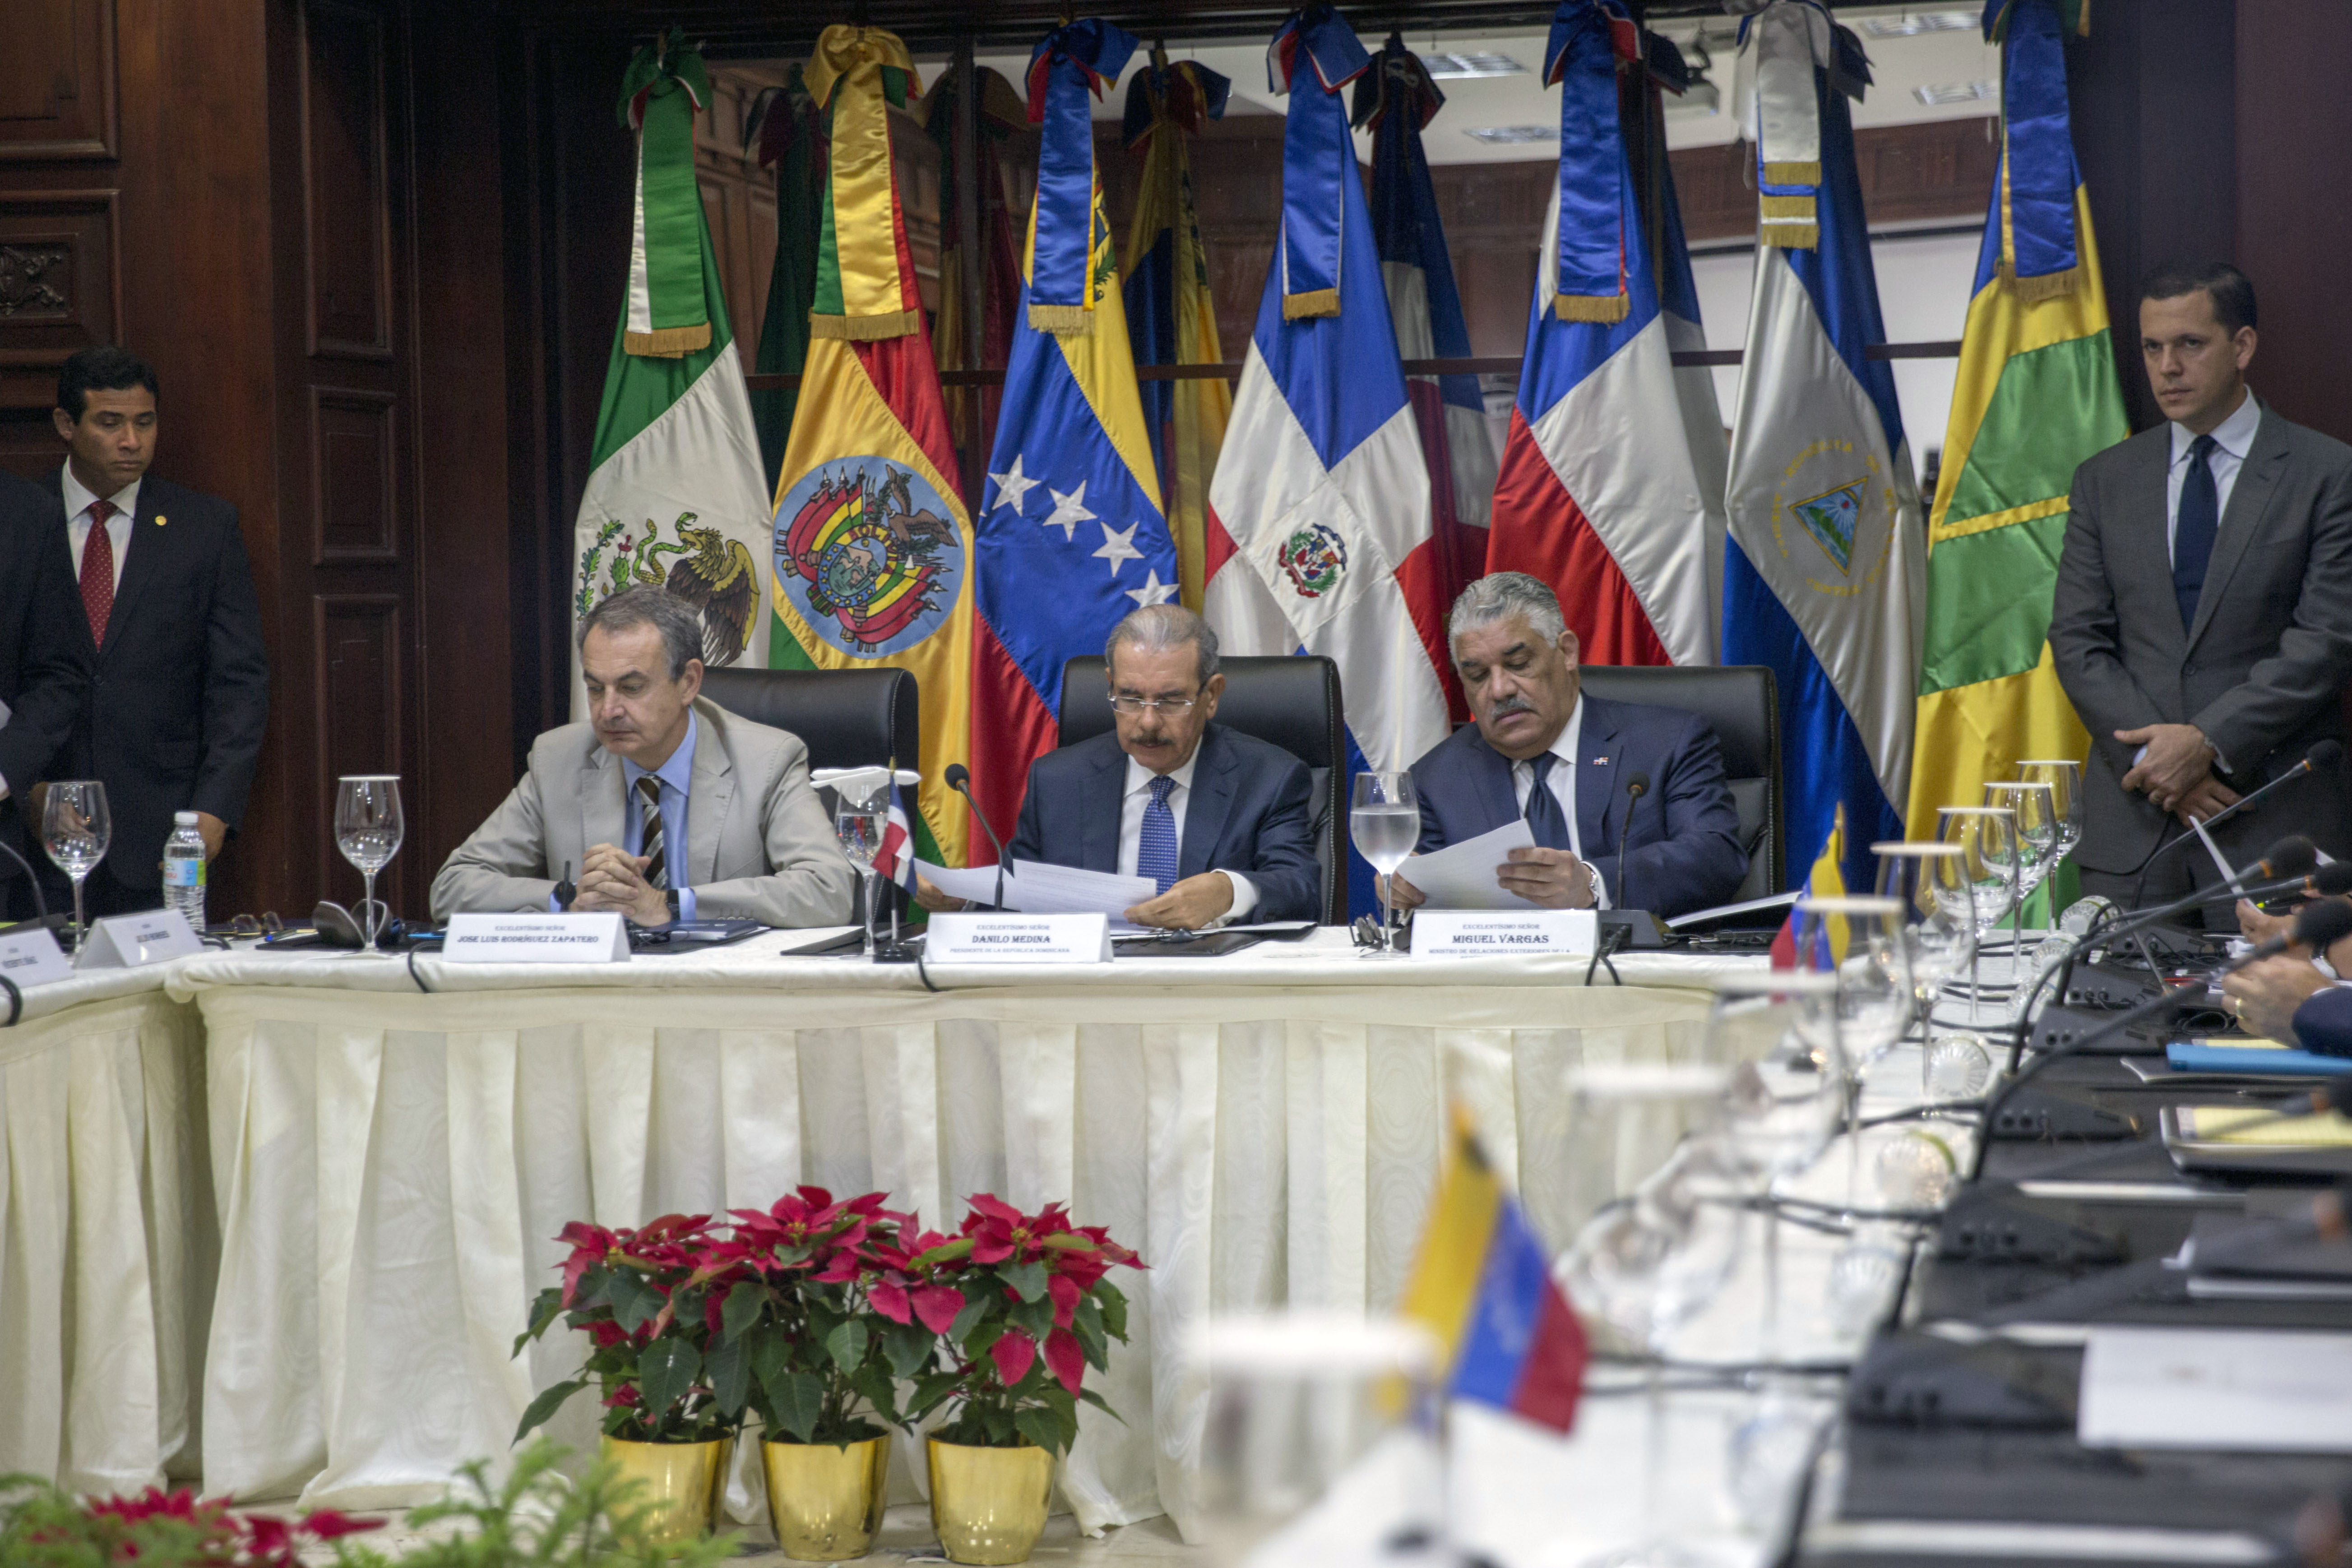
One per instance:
[(1823, 578), (1598, 494), (1318, 535), (1070, 536)]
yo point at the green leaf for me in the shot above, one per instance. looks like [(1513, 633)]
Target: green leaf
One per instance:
[(741, 1309), (665, 1371), (800, 1401), (875, 1385), (1114, 1309), (997, 1423), (1099, 1402), (907, 1346), (929, 1392), (1039, 1426), (975, 1303), (1091, 1341), (946, 1252), (846, 1344), (1036, 1317), (730, 1377), (772, 1361), (976, 1343), (1028, 1280), (635, 1302), (543, 1311), (549, 1401), (823, 1318)]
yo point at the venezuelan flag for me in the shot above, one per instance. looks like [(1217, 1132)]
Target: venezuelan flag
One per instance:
[(1827, 880), (1483, 1286), (873, 545)]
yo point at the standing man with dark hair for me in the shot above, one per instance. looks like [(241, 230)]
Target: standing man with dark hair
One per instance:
[(167, 629), (40, 679), (2202, 622)]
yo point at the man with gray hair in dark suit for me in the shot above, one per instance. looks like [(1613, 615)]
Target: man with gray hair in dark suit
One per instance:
[(2202, 621)]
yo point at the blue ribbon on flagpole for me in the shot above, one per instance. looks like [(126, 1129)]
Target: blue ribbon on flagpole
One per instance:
[(1072, 64), (1581, 57), (1318, 152), (2041, 148)]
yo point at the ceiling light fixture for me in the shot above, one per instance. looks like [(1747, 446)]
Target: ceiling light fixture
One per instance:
[(1944, 92), (1512, 135), (1911, 24), (1457, 68)]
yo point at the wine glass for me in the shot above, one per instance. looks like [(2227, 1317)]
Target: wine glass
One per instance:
[(368, 830), (1859, 942), (863, 814), (1384, 820), (1992, 863), (2040, 835), (2065, 778), (1930, 882), (75, 828)]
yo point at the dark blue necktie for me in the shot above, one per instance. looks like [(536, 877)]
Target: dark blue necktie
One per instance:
[(1544, 819), (2193, 530), (1155, 847)]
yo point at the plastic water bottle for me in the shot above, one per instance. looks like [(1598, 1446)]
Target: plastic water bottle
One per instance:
[(184, 871)]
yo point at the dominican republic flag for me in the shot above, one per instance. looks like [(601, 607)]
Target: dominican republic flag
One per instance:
[(1396, 101), (1598, 494), (1070, 536), (1824, 575), (1319, 517)]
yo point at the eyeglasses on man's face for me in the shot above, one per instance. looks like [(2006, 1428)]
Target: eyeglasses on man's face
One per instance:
[(1126, 704)]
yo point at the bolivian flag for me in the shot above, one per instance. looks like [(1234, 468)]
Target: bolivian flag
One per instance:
[(873, 546), (2036, 394), (1483, 1287)]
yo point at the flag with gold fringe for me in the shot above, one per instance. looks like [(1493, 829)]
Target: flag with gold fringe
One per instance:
[(2036, 394), (675, 496), (871, 542)]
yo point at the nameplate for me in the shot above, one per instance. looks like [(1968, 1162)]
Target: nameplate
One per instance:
[(31, 958), (600, 937), (134, 942), (1463, 934), (1018, 939)]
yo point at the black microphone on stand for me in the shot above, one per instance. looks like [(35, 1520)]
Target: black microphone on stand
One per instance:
[(959, 778), (2324, 755), (1636, 787)]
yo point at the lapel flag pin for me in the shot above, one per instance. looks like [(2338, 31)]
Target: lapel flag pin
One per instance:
[(1599, 762)]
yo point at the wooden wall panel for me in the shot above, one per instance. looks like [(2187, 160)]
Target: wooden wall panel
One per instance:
[(57, 80), (354, 484), (355, 692), (347, 257), (60, 288)]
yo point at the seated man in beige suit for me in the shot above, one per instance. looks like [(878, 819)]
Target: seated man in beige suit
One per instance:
[(662, 805)]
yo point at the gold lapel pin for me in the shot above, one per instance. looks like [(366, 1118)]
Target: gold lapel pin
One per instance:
[(161, 520)]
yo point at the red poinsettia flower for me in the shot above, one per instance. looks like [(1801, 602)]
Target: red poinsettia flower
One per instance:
[(999, 1231), (1065, 1359), (1013, 1352), (327, 1524), (624, 1394)]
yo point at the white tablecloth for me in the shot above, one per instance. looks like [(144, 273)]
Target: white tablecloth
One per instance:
[(105, 1232), (394, 1166)]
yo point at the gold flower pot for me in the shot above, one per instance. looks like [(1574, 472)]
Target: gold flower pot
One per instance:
[(682, 1483), (989, 1504), (825, 1498)]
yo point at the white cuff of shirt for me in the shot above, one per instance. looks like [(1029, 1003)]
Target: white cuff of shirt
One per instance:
[(1599, 886), (1245, 900)]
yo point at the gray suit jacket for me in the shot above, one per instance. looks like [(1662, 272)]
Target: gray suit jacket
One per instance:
[(758, 843), (2261, 671)]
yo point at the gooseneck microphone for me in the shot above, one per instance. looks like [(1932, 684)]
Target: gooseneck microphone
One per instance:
[(1637, 784), (2324, 755), (959, 778)]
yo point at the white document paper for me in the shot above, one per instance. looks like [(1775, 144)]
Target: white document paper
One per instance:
[(597, 938), (1462, 875), (134, 942), (2229, 1389), (1036, 887)]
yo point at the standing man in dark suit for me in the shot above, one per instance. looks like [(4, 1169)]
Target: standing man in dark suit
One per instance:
[(167, 628), (2202, 622), (40, 679), (1544, 750), (1218, 820)]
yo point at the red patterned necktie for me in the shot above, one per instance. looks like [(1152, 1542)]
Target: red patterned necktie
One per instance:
[(97, 571)]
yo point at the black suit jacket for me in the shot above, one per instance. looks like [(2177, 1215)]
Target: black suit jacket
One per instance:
[(179, 696), (41, 681), (1248, 812), (2260, 668), (1683, 845)]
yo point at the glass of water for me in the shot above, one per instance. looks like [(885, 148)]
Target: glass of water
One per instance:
[(75, 829), (860, 821), (368, 830), (1384, 820)]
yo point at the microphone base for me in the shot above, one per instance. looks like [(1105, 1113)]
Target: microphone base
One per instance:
[(2038, 1112), (1641, 925), (2002, 1225), (2109, 987), (1908, 1378), (2058, 1028)]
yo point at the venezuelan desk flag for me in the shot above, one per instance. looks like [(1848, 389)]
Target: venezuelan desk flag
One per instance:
[(2036, 394), (1171, 318), (1598, 494), (1822, 576), (1318, 536), (1484, 1288), (1396, 101), (1826, 880), (1070, 535), (873, 550)]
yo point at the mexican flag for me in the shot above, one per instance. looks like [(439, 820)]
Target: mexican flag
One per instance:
[(873, 545), (675, 496), (2036, 394)]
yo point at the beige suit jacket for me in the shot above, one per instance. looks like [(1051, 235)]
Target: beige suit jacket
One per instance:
[(758, 843)]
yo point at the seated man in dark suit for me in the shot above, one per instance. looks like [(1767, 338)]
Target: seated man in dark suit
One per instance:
[(1542, 750), (41, 682), (1218, 820)]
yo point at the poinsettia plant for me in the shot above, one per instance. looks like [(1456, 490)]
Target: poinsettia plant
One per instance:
[(649, 1301), (1023, 1306), (44, 1526)]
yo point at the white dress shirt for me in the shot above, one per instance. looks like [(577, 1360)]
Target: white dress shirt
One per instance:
[(1130, 828), (79, 500), (1561, 781), (2232, 440)]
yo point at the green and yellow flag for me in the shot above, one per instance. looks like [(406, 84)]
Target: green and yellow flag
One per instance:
[(873, 545), (2036, 395)]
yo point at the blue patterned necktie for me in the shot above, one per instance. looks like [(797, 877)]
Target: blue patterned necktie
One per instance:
[(1544, 819), (1155, 851), (2193, 529)]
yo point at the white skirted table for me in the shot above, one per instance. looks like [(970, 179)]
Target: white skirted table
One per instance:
[(394, 1166), (105, 1232)]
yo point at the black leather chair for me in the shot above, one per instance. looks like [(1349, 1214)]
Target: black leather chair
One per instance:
[(1291, 702), (847, 717), (1743, 704)]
